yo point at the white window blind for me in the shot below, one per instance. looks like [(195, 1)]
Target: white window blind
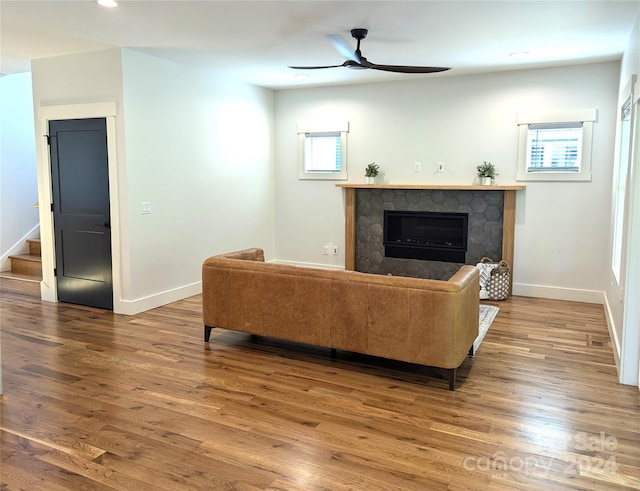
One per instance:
[(554, 147), (323, 152)]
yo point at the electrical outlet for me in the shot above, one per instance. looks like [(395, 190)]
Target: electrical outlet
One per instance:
[(440, 167), (334, 250), (325, 250), (417, 166)]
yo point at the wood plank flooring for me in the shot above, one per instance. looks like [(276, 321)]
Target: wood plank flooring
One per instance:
[(100, 401)]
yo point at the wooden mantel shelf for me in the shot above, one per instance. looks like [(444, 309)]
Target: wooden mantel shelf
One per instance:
[(460, 187)]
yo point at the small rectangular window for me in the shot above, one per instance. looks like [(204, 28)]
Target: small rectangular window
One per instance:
[(555, 145), (323, 151)]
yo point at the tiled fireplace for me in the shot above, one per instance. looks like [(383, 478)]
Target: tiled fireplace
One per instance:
[(484, 210), (491, 223)]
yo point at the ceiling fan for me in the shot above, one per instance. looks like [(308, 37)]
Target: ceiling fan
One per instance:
[(357, 61)]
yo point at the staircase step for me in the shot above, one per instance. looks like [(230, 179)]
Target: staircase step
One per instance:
[(19, 283), (27, 264), (34, 247), (10, 275)]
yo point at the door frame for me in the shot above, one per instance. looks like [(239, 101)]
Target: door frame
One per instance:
[(107, 110)]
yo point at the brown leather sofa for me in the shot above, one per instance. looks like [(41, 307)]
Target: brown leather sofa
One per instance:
[(429, 322)]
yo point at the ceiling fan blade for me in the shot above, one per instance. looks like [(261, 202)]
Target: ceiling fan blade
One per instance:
[(315, 67), (343, 47), (355, 60), (405, 68)]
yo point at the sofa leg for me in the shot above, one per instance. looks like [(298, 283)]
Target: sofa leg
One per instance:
[(452, 378), (207, 333), (333, 353), (471, 351)]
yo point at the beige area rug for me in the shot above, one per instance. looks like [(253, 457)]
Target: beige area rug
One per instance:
[(487, 314)]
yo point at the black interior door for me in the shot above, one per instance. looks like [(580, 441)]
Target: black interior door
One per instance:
[(80, 181)]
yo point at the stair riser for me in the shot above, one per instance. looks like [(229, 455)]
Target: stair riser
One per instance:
[(8, 285), (34, 247), (22, 266)]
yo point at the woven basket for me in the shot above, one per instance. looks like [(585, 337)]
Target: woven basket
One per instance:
[(495, 278)]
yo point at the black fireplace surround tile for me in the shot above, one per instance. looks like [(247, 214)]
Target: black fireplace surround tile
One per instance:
[(485, 210)]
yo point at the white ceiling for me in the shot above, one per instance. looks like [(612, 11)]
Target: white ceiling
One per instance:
[(255, 41)]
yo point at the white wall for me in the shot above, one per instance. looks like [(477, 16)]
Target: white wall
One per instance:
[(561, 228), (198, 148), (18, 180)]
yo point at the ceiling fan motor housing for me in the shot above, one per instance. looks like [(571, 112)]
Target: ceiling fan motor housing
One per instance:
[(360, 33)]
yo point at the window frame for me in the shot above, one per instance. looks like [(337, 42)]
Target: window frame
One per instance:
[(621, 183), (304, 131), (556, 119)]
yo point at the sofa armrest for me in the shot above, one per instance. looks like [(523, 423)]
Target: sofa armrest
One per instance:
[(465, 275)]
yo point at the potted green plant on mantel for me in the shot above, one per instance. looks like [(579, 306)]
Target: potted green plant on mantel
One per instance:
[(371, 171), (486, 173)]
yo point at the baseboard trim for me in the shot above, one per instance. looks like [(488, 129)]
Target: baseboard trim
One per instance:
[(132, 307), (559, 293), (617, 346)]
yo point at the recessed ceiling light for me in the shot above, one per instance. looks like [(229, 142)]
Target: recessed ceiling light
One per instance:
[(519, 54), (108, 3)]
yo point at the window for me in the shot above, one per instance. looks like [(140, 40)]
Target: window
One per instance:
[(620, 177), (323, 152), (555, 146)]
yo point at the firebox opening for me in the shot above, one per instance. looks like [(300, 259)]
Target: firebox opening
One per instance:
[(435, 236)]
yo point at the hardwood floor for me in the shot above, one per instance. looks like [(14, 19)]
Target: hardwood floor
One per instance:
[(100, 401)]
